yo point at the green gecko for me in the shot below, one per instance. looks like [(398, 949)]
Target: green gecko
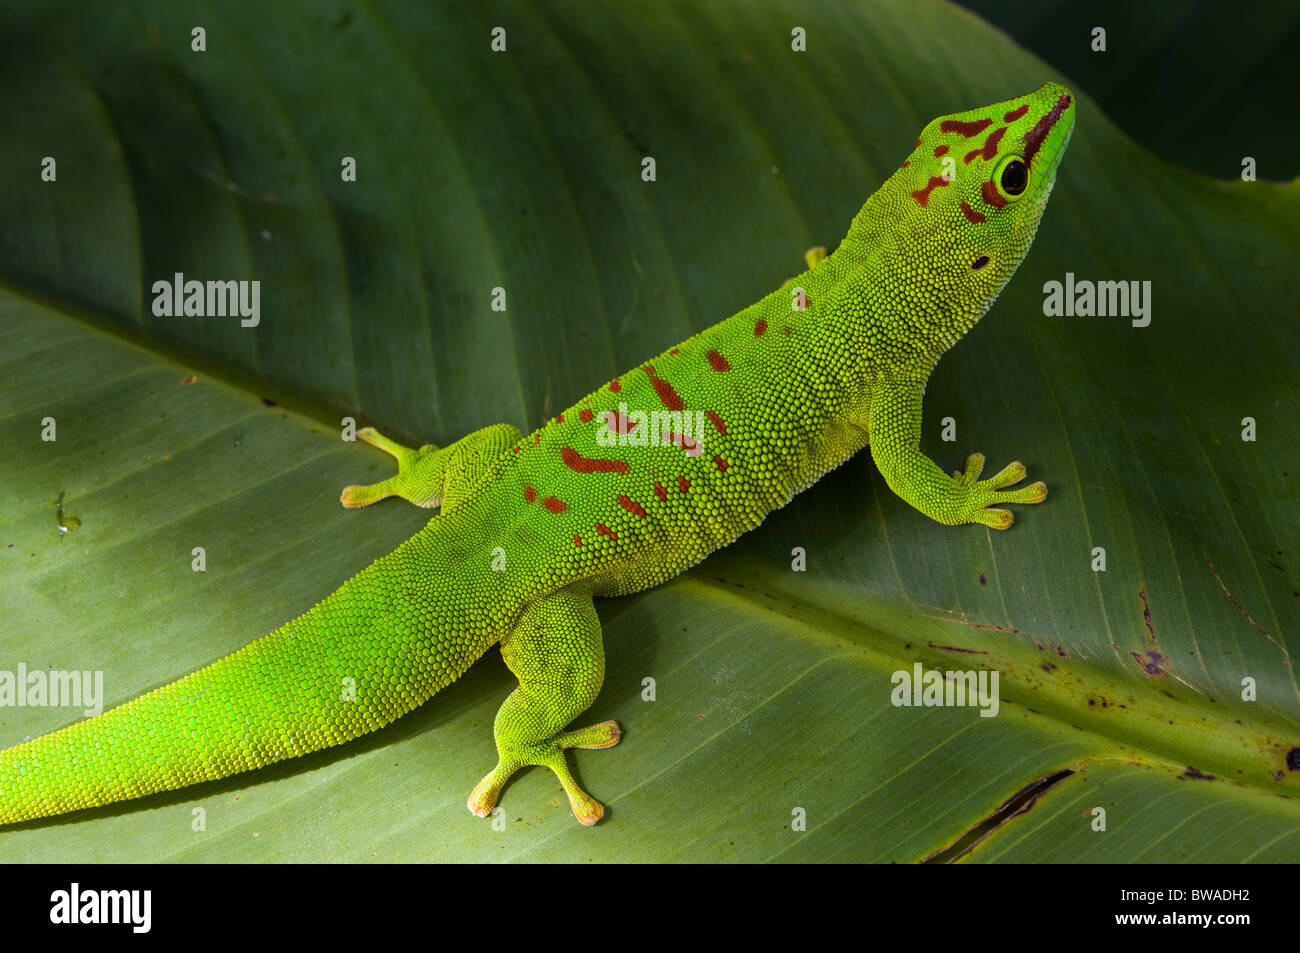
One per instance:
[(532, 528)]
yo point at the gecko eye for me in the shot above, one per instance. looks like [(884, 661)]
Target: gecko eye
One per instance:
[(1014, 177)]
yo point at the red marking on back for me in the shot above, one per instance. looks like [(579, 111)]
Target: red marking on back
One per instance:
[(675, 350), (554, 505), (718, 362), (530, 494), (940, 150), (918, 144), (1016, 113), (906, 163), (722, 464), (972, 216), (760, 327), (580, 464), (577, 540), (990, 148), (615, 386), (992, 195), (718, 425), (618, 422), (560, 419), (660, 491), (515, 449), (923, 195), (686, 443), (967, 129), (537, 438), (683, 484), (1035, 137), (604, 530), (671, 399), (584, 415), (631, 506)]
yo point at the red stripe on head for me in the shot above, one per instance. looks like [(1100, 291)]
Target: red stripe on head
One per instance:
[(990, 148), (972, 216), (1016, 113), (718, 425), (717, 361), (554, 505), (1035, 137), (760, 327), (967, 129)]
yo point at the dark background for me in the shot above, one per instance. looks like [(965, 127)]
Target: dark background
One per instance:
[(1200, 83)]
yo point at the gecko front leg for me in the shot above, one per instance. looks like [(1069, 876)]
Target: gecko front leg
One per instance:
[(961, 497)]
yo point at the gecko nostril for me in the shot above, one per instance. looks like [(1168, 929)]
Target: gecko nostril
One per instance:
[(979, 262)]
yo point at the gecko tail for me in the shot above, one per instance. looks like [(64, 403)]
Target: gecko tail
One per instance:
[(361, 658)]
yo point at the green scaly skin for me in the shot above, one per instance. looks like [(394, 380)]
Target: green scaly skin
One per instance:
[(790, 392)]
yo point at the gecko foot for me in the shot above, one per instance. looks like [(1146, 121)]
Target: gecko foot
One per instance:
[(985, 494), (549, 754)]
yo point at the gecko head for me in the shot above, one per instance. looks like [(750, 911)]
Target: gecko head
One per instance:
[(975, 187)]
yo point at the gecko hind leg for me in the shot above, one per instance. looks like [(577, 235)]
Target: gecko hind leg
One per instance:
[(434, 476), (555, 651)]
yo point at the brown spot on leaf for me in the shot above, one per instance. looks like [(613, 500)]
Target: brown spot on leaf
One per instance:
[(954, 648), (1153, 663), (1016, 805)]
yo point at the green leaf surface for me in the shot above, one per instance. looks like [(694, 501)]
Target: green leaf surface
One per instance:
[(522, 170)]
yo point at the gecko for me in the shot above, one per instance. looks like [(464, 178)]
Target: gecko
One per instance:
[(630, 486)]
